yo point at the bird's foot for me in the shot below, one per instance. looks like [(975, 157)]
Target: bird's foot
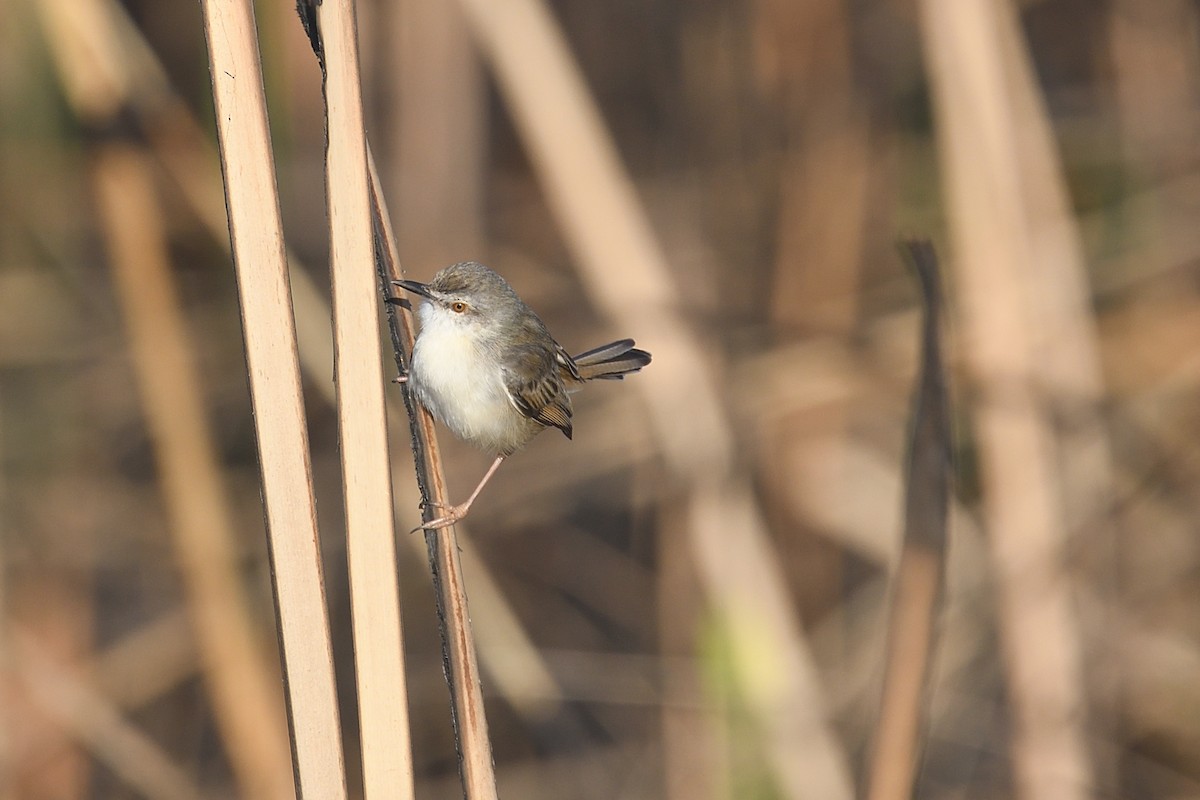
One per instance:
[(453, 514), (401, 378)]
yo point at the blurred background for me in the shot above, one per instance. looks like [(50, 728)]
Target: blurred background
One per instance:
[(691, 598)]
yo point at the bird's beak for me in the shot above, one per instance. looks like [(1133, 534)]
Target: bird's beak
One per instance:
[(414, 287)]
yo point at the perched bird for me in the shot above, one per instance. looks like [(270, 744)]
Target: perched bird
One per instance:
[(486, 367)]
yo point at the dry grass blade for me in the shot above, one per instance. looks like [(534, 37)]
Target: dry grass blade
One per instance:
[(918, 579), (362, 424), (984, 170), (257, 237), (458, 642)]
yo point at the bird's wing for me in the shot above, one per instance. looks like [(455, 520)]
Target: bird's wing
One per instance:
[(535, 387)]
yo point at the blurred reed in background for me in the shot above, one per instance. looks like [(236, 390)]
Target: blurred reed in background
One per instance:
[(690, 599)]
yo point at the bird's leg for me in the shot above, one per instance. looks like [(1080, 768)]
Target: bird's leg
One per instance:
[(456, 513)]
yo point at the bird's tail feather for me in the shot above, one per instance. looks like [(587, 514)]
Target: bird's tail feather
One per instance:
[(611, 361)]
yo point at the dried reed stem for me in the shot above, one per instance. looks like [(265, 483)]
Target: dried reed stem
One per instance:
[(980, 132), (150, 661), (261, 268), (918, 580), (362, 424), (454, 621), (696, 751)]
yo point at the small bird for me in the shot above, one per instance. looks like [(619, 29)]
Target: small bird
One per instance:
[(487, 368)]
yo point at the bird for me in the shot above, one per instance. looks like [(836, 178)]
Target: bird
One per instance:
[(485, 366)]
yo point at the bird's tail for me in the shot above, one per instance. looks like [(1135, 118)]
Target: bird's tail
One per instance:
[(611, 361)]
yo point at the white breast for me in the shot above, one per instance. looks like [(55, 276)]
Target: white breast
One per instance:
[(461, 387)]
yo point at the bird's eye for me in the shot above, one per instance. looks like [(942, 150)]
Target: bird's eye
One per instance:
[(458, 307)]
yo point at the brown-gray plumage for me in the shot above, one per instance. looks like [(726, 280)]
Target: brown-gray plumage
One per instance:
[(485, 365)]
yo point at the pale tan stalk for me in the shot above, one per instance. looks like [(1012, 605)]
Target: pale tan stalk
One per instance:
[(980, 122), (695, 740), (362, 423), (150, 661), (8, 781), (270, 338)]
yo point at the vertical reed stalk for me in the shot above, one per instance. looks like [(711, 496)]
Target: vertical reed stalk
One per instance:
[(980, 131), (470, 722), (362, 423), (254, 222), (454, 620)]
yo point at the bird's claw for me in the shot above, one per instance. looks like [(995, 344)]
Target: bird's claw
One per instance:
[(454, 515)]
